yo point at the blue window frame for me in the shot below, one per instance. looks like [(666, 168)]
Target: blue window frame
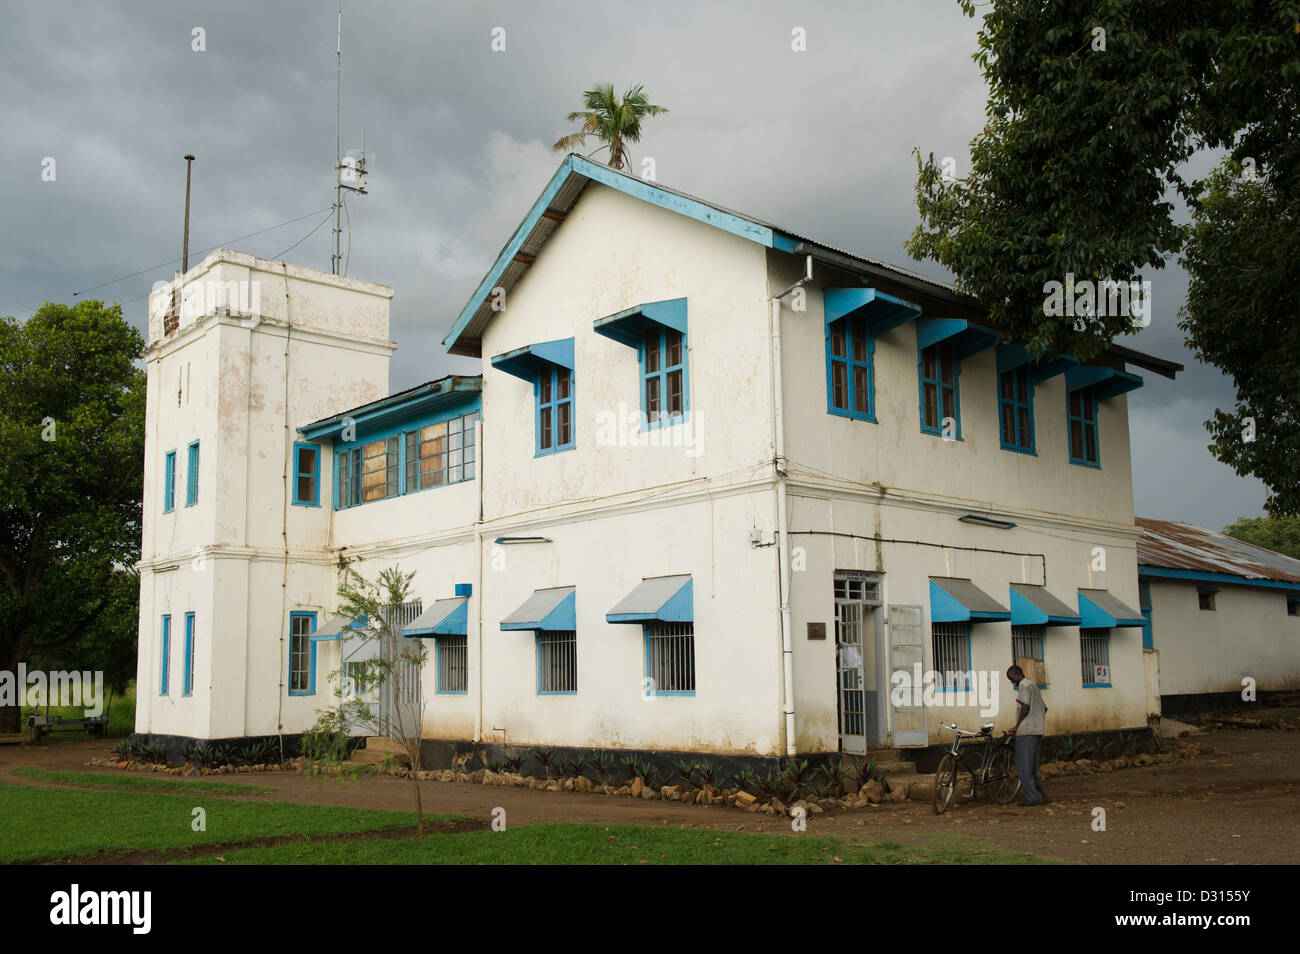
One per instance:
[(1144, 604), (169, 482), (306, 474), (452, 665), (940, 402), (557, 662), (187, 685), (302, 654), (192, 475), (431, 451), (166, 654), (1016, 409), (554, 392), (440, 453), (1094, 652), (1082, 410), (663, 375), (669, 658), (849, 380)]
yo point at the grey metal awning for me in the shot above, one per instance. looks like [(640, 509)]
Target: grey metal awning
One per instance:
[(1034, 606), (549, 609), (331, 630), (667, 598), (955, 600), (448, 617), (1101, 610)]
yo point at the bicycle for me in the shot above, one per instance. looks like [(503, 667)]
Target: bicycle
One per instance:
[(996, 771)]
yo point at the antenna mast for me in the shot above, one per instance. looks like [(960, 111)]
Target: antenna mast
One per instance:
[(350, 175)]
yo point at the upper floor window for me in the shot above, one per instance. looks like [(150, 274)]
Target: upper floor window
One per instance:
[(192, 476), (1016, 408), (441, 453), (306, 475), (849, 349), (169, 482), (663, 374), (940, 413), (1083, 428), (369, 472), (554, 409)]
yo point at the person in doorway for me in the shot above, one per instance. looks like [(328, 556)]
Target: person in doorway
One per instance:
[(1031, 714)]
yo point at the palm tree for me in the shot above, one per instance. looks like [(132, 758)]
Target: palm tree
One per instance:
[(615, 122)]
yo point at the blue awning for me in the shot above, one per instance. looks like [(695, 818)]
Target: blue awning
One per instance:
[(331, 630), (1100, 610), (667, 598), (961, 601), (1105, 382), (882, 312), (1034, 606), (1040, 367), (629, 326), (528, 361), (449, 617), (549, 609), (966, 337)]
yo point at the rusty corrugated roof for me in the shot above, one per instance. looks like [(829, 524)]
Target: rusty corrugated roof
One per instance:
[(1181, 546)]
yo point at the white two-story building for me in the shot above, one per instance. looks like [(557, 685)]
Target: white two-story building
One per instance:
[(718, 488)]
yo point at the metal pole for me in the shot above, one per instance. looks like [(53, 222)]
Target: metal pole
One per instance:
[(185, 253), (338, 150)]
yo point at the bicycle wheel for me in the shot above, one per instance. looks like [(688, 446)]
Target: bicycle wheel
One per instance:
[(945, 783), (1003, 781)]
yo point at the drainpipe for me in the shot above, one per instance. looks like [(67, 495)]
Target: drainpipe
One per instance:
[(478, 558), (782, 512)]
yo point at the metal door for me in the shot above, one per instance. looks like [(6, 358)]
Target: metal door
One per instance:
[(906, 626), (848, 666), (400, 696)]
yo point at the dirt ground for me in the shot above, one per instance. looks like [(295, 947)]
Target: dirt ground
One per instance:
[(1240, 807)]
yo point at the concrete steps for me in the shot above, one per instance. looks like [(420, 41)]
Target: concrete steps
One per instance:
[(379, 750)]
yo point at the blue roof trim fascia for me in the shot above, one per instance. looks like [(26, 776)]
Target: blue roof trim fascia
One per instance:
[(1105, 382), (1206, 576), (629, 326), (382, 414)]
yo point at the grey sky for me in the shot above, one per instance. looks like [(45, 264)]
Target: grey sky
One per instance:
[(819, 142)]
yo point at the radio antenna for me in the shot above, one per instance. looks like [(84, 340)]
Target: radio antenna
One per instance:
[(350, 175)]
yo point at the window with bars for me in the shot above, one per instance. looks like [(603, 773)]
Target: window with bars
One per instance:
[(453, 664), (1083, 428), (663, 374), (951, 646), (857, 585), (1016, 409), (554, 409), (1094, 652), (939, 391), (1028, 652), (302, 678), (849, 350), (557, 661), (670, 657), (441, 453)]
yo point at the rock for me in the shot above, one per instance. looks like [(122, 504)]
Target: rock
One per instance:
[(192, 772), (897, 794), (570, 785), (744, 799), (1049, 770), (583, 784), (553, 785), (801, 804), (635, 788), (873, 792), (671, 793), (778, 806), (648, 794), (705, 797), (769, 809), (757, 806), (892, 784), (921, 790), (624, 790), (860, 803), (1106, 767), (815, 809)]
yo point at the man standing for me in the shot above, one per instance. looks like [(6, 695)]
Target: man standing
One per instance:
[(1028, 731)]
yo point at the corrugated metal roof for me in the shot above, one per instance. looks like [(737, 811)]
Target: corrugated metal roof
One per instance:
[(1181, 546)]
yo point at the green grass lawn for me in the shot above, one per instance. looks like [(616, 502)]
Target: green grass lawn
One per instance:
[(42, 823), (571, 843), (139, 783)]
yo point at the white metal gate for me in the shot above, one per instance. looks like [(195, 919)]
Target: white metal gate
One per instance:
[(400, 697), (907, 655), (848, 664)]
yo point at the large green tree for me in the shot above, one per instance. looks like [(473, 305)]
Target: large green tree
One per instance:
[(1281, 534), (1093, 110), (72, 404), (615, 122)]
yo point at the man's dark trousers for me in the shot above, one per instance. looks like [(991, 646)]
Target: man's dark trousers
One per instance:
[(1027, 747)]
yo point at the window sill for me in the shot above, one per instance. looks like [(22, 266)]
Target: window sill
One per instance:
[(671, 692), (935, 432), (648, 425), (1027, 451), (451, 692), (1085, 463), (1097, 685), (554, 450), (305, 503), (851, 415), (567, 692)]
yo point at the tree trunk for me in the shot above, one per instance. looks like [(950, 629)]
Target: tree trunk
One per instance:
[(11, 719)]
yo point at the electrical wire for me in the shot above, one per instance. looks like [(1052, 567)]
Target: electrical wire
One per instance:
[(279, 255), (172, 261)]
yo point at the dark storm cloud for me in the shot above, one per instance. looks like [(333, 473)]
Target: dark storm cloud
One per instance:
[(819, 142)]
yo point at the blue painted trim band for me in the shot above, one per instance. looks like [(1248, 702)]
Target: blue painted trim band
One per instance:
[(1169, 573)]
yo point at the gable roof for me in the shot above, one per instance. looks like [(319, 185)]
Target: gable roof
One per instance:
[(428, 396), (1194, 552), (575, 173)]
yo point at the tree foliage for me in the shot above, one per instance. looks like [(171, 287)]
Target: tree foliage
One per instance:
[(72, 405), (615, 122), (1093, 109), (1280, 534)]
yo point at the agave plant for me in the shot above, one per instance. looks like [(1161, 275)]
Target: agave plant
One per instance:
[(745, 780), (604, 763), (709, 774), (577, 764), (545, 756), (685, 770), (630, 765)]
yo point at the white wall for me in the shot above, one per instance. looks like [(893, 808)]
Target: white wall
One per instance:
[(1248, 633)]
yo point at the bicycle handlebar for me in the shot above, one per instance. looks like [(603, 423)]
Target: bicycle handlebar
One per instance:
[(985, 729)]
